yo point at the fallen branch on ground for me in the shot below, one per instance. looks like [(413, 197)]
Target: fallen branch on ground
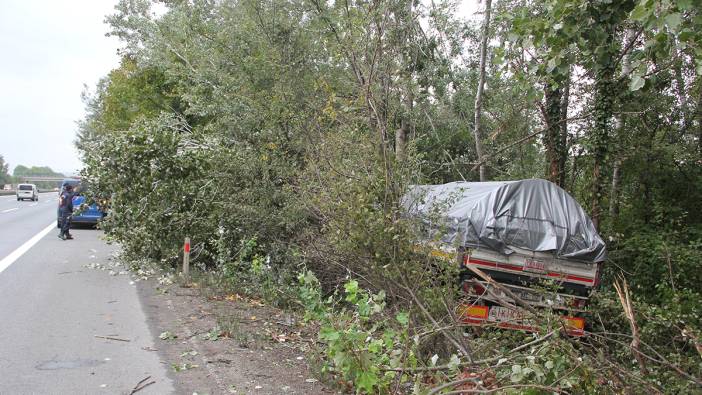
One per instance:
[(501, 389), (112, 338), (140, 385), (476, 362)]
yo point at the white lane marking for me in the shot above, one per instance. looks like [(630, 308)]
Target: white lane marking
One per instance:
[(12, 257), (9, 209), (33, 204)]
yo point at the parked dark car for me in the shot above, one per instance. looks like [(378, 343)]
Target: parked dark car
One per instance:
[(83, 213)]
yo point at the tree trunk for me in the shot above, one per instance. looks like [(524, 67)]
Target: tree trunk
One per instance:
[(604, 99), (565, 101), (551, 137), (681, 91), (698, 114), (619, 128), (402, 135), (409, 58), (614, 192), (479, 94), (555, 138)]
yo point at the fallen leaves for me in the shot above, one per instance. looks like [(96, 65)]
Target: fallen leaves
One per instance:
[(484, 379), (167, 335), (232, 297), (256, 303), (179, 367), (280, 338), (190, 353)]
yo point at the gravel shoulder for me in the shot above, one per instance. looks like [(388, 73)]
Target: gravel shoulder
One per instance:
[(228, 344)]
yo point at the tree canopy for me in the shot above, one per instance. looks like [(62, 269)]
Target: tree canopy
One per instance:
[(4, 175)]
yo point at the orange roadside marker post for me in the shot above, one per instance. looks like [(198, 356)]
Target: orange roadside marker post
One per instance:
[(186, 258)]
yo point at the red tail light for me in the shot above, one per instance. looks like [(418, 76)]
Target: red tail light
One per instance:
[(575, 326), (472, 314)]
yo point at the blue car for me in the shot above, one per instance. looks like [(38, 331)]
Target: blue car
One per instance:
[(82, 212)]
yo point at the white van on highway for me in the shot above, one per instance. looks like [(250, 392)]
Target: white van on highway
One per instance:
[(27, 191)]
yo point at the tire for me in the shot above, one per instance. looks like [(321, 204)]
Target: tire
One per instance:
[(58, 223)]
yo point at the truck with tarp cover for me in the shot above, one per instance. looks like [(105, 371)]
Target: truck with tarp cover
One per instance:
[(517, 242)]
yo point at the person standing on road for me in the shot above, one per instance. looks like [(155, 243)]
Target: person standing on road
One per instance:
[(65, 212)]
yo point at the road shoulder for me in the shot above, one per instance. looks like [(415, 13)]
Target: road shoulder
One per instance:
[(227, 344)]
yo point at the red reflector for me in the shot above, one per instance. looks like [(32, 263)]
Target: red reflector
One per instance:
[(186, 248), (473, 314)]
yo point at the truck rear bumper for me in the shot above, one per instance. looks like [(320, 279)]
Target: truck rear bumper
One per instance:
[(507, 318)]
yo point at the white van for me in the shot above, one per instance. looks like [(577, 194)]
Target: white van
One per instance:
[(27, 191)]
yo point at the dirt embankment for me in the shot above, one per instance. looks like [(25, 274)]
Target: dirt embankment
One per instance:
[(228, 344)]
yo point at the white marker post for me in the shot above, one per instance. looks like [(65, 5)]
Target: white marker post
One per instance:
[(186, 258)]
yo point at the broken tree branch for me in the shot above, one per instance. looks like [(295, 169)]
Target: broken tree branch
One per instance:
[(521, 303), (475, 362), (112, 338), (428, 315), (507, 387), (140, 385), (623, 292)]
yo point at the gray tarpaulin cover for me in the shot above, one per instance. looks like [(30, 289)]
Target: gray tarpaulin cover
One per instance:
[(534, 215)]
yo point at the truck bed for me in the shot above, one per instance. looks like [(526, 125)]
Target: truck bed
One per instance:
[(523, 266)]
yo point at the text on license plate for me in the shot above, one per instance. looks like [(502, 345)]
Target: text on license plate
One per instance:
[(533, 265), (502, 314)]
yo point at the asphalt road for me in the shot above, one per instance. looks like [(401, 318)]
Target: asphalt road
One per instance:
[(19, 221), (55, 297)]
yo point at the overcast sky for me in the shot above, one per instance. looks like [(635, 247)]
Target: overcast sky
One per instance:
[(48, 50)]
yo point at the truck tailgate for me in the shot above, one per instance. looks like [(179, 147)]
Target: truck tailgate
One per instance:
[(534, 265)]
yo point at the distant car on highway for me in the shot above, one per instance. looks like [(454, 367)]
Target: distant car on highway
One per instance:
[(27, 191), (83, 212)]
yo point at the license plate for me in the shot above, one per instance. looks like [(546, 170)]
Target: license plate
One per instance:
[(528, 296), (503, 314), (533, 265)]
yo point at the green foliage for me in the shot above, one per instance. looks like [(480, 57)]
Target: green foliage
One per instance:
[(552, 363), (4, 175), (359, 342), (663, 267), (21, 171), (668, 332), (134, 92), (674, 26), (253, 273)]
